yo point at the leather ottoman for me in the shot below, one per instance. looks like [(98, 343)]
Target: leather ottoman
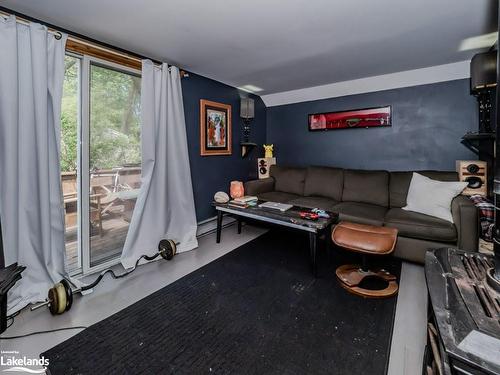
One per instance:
[(366, 240)]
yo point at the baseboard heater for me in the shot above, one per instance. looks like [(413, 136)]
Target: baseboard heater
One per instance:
[(209, 226)]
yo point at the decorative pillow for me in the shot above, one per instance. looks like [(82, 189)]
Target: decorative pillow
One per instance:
[(431, 197)]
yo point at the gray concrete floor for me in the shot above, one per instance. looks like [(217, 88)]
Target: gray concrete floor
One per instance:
[(410, 323), (114, 295)]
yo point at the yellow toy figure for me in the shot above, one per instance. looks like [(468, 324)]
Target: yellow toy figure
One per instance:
[(269, 151)]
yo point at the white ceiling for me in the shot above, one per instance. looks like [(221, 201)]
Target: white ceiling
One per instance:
[(278, 45)]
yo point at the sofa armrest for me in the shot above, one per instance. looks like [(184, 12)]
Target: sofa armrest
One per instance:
[(256, 187), (466, 219)]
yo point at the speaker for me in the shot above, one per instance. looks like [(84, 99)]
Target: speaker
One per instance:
[(263, 166), (483, 71), (474, 172)]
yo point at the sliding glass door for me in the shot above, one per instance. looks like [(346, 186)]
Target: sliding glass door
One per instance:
[(114, 158), (102, 168)]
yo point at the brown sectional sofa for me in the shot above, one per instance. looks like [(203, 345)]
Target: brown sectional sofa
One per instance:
[(376, 198)]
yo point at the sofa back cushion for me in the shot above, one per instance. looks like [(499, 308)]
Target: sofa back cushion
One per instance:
[(400, 183), (366, 187), (324, 182), (288, 179)]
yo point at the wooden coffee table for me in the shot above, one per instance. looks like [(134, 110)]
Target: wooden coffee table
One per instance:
[(290, 219)]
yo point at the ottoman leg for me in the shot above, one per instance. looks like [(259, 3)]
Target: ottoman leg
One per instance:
[(351, 276)]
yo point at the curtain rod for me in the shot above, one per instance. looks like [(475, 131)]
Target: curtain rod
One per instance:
[(25, 20), (5, 15), (58, 35)]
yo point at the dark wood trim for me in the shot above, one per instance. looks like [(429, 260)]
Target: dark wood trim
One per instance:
[(74, 46)]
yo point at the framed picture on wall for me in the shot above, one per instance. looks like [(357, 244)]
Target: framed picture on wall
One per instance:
[(356, 118), (215, 128)]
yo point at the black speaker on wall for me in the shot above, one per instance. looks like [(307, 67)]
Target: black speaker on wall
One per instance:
[(483, 81), (483, 71)]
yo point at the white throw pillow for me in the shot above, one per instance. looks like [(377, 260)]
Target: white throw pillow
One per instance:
[(431, 197)]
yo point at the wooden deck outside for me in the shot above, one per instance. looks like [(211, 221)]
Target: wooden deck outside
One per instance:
[(112, 199), (105, 247)]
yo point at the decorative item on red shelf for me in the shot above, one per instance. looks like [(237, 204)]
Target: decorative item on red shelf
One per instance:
[(358, 118), (308, 215), (236, 189)]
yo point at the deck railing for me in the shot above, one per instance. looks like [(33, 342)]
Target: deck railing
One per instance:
[(105, 188)]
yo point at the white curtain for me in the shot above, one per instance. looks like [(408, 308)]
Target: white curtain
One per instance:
[(165, 206), (31, 80)]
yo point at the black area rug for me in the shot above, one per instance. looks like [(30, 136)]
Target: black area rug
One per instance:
[(256, 310)]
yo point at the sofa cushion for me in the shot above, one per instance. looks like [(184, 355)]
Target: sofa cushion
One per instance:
[(277, 196), (288, 179), (366, 187), (416, 225), (363, 213), (314, 202), (400, 183), (431, 197), (324, 182)]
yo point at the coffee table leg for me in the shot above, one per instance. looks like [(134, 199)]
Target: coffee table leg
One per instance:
[(239, 226), (219, 225), (328, 239), (313, 241)]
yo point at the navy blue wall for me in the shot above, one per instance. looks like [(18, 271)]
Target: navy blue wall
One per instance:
[(213, 173), (427, 124)]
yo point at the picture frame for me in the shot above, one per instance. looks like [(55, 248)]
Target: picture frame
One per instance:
[(374, 117), (215, 128)]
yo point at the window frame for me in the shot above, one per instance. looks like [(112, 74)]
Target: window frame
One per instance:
[(78, 269)]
